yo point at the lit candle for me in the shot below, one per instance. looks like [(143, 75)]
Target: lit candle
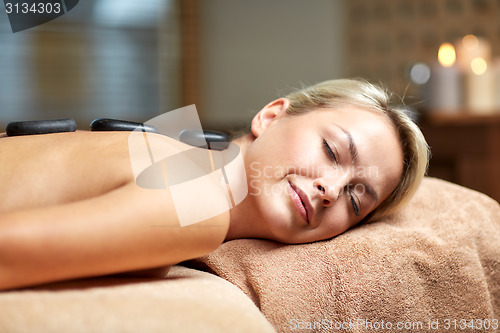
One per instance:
[(474, 59), (497, 83), (471, 47), (480, 96), (445, 82)]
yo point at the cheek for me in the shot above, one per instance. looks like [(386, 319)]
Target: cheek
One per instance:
[(267, 160), (336, 222), (292, 151), (304, 151)]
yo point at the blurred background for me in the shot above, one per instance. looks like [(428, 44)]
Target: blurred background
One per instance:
[(134, 60)]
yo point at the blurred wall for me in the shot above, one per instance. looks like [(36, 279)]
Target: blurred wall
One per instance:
[(95, 61), (253, 51), (384, 38)]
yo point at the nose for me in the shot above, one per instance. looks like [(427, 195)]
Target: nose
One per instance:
[(330, 188)]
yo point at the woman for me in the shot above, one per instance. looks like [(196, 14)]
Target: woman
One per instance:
[(318, 162)]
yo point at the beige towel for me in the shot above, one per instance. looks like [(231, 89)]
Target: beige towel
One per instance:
[(435, 266), (186, 301)]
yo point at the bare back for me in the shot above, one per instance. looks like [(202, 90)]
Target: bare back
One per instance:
[(70, 208), (50, 169)]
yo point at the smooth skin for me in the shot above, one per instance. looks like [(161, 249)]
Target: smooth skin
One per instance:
[(285, 151), (71, 208)]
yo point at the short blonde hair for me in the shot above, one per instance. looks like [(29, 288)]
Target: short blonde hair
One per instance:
[(361, 93)]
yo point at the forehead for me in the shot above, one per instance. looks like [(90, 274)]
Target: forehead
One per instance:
[(353, 118), (347, 112)]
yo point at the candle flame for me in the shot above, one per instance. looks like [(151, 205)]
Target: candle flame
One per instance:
[(470, 42), (478, 66), (447, 55)]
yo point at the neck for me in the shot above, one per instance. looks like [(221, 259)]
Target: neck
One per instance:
[(239, 225)]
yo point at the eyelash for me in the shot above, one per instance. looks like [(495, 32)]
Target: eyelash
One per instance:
[(329, 151), (354, 204), (331, 154)]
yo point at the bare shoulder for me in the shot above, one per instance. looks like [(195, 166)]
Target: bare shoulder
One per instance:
[(74, 166), (85, 165)]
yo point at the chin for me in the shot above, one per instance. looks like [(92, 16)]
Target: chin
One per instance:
[(277, 221), (282, 230)]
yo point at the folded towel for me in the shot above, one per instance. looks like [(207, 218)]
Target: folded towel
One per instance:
[(187, 301), (433, 266)]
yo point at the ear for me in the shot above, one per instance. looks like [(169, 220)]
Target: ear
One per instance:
[(268, 115)]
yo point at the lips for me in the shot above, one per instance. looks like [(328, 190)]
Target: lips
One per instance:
[(301, 203)]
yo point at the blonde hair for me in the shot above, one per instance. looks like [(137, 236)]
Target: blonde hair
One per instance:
[(367, 95)]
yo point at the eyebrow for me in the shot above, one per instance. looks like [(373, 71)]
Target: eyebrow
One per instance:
[(353, 151), (371, 192)]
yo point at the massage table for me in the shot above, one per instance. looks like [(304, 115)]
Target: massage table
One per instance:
[(434, 266)]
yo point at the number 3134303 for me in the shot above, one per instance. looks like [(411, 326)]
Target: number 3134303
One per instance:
[(35, 8), (471, 324)]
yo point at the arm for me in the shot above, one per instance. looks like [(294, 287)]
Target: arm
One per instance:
[(127, 229)]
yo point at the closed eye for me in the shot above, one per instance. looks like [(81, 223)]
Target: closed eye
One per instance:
[(354, 204), (332, 155), (330, 152)]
